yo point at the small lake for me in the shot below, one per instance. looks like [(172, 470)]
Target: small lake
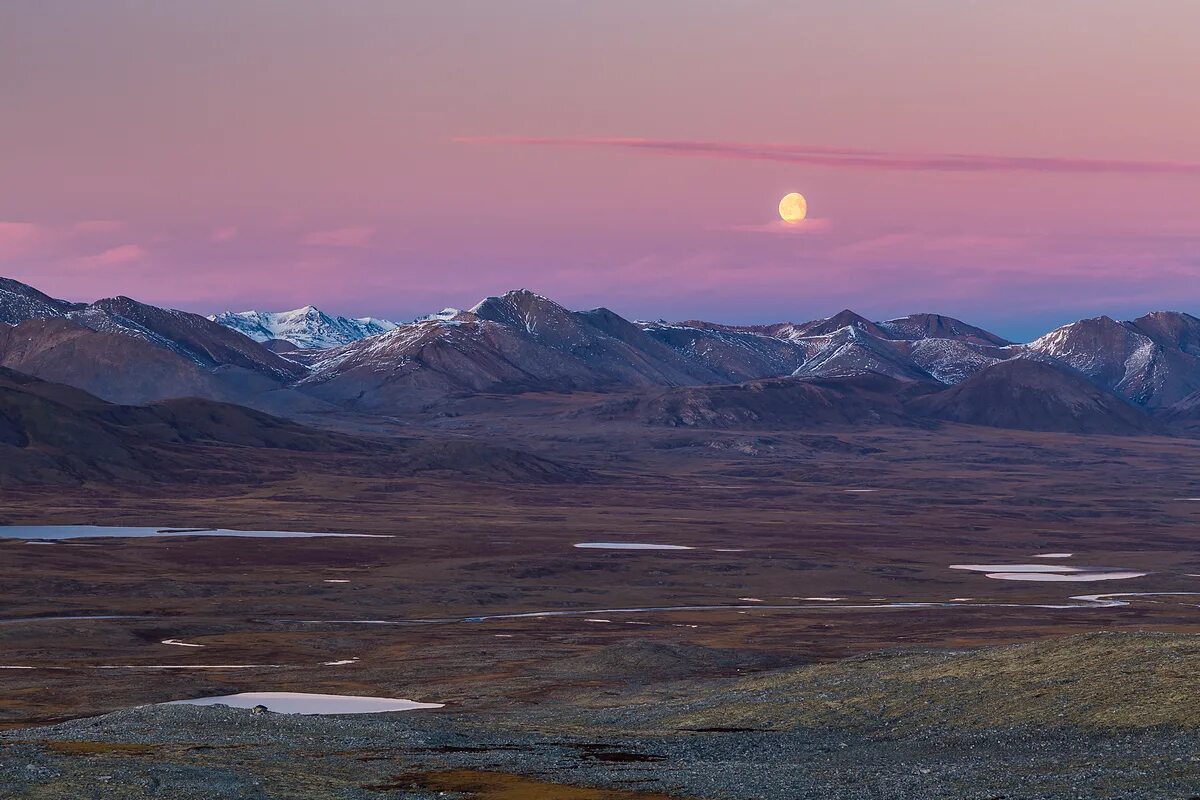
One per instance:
[(36, 532), (1015, 568), (630, 546), (1067, 577), (72, 618), (303, 703), (1057, 573)]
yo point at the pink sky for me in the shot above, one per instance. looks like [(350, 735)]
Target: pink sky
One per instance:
[(1019, 164)]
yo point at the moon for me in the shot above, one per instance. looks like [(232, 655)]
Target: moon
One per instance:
[(793, 207)]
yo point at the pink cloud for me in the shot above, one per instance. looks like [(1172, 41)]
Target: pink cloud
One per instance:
[(224, 234), (121, 254), (849, 158), (17, 238), (351, 236)]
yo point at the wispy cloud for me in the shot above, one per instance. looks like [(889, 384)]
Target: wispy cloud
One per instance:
[(121, 254), (18, 237), (851, 158), (351, 236)]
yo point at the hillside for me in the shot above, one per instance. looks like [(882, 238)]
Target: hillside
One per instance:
[(1037, 396)]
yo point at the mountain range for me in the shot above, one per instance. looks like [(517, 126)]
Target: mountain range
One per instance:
[(1096, 375), (305, 328)]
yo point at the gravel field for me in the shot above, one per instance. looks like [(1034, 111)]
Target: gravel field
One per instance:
[(185, 752)]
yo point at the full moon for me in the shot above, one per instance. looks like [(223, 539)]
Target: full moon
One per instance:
[(793, 207)]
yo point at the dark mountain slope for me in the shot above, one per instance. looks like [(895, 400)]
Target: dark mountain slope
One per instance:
[(852, 351), (1034, 395), (202, 340), (54, 434), (1184, 416), (19, 302), (730, 354), (51, 433), (1172, 329), (418, 364), (950, 361), (129, 369), (113, 366), (130, 352), (605, 343), (1142, 361), (789, 403)]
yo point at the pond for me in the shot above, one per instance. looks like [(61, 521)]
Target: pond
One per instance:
[(630, 546), (43, 532), (304, 703), (1050, 572)]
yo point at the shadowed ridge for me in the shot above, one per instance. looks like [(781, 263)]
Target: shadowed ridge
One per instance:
[(20, 302), (939, 326), (782, 403), (1029, 394), (206, 342)]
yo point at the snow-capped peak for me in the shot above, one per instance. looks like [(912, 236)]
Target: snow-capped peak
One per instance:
[(308, 327), (445, 314)]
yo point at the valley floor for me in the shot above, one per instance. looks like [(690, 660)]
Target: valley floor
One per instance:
[(808, 549)]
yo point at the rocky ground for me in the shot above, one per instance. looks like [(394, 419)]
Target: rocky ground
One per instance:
[(194, 752), (1042, 721)]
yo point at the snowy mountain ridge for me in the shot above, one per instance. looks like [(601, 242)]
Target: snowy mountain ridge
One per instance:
[(308, 328), (524, 342)]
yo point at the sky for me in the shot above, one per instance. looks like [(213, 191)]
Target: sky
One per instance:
[(1019, 164)]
